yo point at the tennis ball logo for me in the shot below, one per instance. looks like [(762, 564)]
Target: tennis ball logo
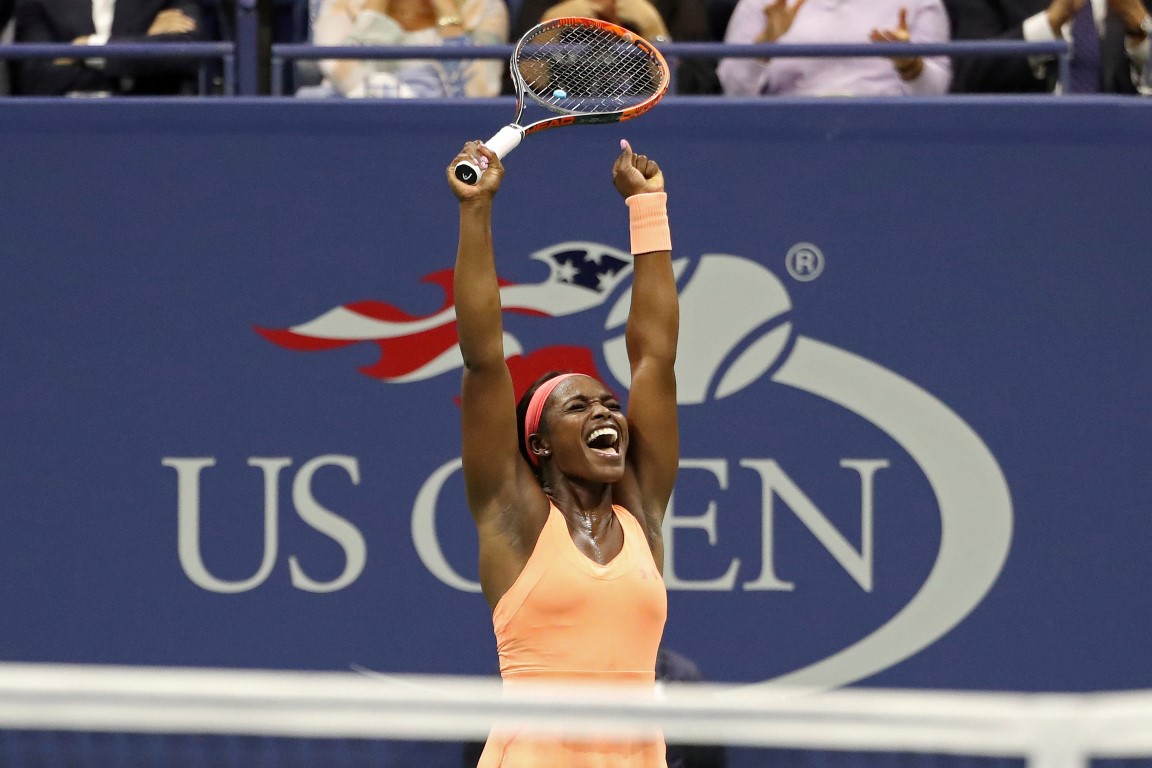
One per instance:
[(733, 327)]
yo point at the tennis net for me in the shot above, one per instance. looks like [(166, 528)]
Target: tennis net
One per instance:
[(76, 716)]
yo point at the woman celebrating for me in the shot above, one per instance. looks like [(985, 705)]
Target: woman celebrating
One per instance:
[(568, 494)]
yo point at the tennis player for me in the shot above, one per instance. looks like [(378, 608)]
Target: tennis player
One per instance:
[(568, 494)]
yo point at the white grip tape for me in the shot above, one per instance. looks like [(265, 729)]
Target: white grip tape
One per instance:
[(505, 140)]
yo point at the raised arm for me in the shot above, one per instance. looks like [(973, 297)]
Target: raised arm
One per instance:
[(488, 402), (501, 489), (650, 334)]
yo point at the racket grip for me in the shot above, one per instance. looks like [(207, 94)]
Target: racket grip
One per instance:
[(505, 140)]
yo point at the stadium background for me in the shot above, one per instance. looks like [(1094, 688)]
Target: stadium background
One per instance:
[(987, 255)]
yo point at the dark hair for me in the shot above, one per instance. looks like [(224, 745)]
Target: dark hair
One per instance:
[(522, 411)]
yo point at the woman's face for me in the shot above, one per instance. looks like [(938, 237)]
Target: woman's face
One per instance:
[(587, 433)]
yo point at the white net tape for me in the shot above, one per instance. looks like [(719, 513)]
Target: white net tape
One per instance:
[(1047, 729)]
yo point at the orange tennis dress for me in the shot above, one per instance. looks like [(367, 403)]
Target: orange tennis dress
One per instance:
[(568, 619)]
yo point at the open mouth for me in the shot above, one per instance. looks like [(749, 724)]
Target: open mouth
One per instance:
[(605, 441)]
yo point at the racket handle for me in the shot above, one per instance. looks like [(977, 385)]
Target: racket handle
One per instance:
[(505, 140)]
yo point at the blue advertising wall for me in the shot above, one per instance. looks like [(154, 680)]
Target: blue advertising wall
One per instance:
[(915, 382)]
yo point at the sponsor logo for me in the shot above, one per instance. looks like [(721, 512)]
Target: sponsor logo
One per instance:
[(553, 123)]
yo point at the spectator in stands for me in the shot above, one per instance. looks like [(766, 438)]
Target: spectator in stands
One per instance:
[(1123, 28), (413, 22), (834, 21), (95, 22), (656, 20)]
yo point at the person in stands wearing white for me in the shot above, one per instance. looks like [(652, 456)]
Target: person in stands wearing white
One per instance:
[(412, 22)]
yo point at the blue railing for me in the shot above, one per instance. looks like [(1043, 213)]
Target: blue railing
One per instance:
[(284, 53), (203, 52), (240, 59)]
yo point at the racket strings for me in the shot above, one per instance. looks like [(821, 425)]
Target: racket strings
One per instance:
[(581, 69)]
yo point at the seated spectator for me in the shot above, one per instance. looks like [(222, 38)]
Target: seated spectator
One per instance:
[(834, 21), (1117, 62), (96, 22), (657, 21), (412, 22)]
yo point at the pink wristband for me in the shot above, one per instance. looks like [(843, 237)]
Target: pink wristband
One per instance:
[(648, 220)]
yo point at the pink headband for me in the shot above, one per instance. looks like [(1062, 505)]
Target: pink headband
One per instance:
[(536, 408)]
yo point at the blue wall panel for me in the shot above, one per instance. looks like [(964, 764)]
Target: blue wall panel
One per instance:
[(929, 466)]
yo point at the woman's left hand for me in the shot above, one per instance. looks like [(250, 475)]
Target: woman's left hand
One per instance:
[(635, 174), (909, 67)]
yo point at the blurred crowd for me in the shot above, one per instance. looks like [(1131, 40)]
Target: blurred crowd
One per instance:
[(1110, 40)]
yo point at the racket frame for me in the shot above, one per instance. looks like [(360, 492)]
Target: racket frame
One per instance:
[(510, 136)]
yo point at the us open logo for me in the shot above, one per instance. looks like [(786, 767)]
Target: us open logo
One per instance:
[(736, 332)]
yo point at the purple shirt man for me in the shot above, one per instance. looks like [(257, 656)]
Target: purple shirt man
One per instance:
[(835, 21)]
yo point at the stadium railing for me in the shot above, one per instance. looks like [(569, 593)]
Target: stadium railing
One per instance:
[(286, 53), (203, 52), (239, 64)]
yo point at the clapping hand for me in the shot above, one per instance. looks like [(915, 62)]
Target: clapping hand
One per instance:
[(909, 67), (171, 21), (778, 18), (1132, 14), (1060, 12)]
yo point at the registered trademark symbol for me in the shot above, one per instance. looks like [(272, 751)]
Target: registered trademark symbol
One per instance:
[(805, 262)]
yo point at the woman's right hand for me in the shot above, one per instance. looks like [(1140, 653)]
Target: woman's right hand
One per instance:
[(489, 182)]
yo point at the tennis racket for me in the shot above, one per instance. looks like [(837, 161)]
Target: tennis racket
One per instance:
[(585, 71)]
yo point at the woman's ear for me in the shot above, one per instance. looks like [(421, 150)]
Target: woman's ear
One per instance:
[(538, 447)]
